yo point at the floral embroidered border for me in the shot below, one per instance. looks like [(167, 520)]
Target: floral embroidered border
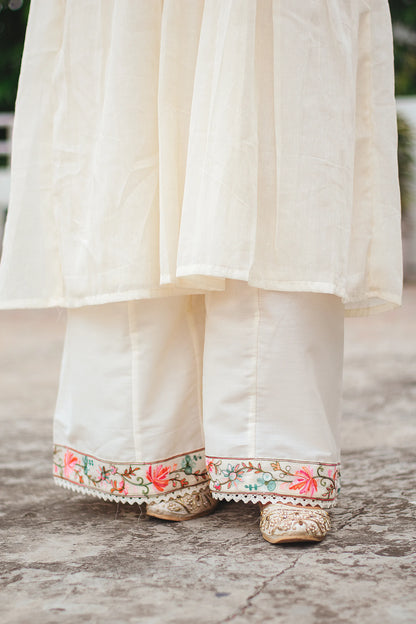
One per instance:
[(129, 480), (285, 477)]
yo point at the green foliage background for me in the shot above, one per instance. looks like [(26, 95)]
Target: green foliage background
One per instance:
[(403, 13), (12, 33)]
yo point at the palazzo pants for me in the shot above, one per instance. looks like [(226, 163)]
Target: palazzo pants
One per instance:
[(239, 389)]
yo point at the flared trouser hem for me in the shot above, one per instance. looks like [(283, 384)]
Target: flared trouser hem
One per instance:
[(274, 480), (129, 482), (251, 480)]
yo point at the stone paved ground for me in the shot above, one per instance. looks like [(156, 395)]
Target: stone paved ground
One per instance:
[(73, 559)]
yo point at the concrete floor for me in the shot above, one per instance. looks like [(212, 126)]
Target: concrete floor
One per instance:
[(74, 559)]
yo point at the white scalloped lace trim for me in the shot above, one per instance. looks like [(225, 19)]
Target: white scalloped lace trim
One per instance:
[(140, 500), (270, 498)]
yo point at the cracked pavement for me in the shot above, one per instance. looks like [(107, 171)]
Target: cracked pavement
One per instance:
[(71, 558)]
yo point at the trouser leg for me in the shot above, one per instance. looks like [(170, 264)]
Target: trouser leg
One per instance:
[(128, 418), (272, 384)]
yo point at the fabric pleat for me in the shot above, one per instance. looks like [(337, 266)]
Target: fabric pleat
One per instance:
[(161, 147)]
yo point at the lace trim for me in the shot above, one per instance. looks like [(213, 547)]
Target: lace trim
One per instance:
[(264, 498), (140, 500)]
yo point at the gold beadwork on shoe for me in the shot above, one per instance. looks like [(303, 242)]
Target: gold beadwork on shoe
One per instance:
[(288, 523), (185, 507)]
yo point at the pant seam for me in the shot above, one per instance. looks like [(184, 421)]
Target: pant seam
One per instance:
[(253, 398), (198, 355), (133, 376)]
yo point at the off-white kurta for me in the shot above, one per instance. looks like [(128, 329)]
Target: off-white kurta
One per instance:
[(161, 146)]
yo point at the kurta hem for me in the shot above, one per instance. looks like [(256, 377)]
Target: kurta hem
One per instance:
[(352, 306)]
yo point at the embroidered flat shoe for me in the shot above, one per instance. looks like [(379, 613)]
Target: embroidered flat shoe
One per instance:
[(280, 523), (185, 507)]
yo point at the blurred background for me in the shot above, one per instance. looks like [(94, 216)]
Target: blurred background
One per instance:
[(13, 18)]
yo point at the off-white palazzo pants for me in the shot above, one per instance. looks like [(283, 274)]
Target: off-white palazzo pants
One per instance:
[(240, 389)]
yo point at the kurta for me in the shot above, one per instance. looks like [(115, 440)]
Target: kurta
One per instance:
[(162, 146)]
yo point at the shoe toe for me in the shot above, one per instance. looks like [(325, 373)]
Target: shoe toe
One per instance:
[(281, 523)]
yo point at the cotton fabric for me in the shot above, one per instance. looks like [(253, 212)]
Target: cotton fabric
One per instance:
[(163, 146), (240, 388)]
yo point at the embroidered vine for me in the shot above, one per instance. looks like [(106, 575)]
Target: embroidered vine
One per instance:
[(318, 481), (141, 480)]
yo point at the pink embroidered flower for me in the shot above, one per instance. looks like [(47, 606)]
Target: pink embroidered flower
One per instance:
[(305, 482), (159, 475), (217, 485), (70, 461), (210, 466)]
